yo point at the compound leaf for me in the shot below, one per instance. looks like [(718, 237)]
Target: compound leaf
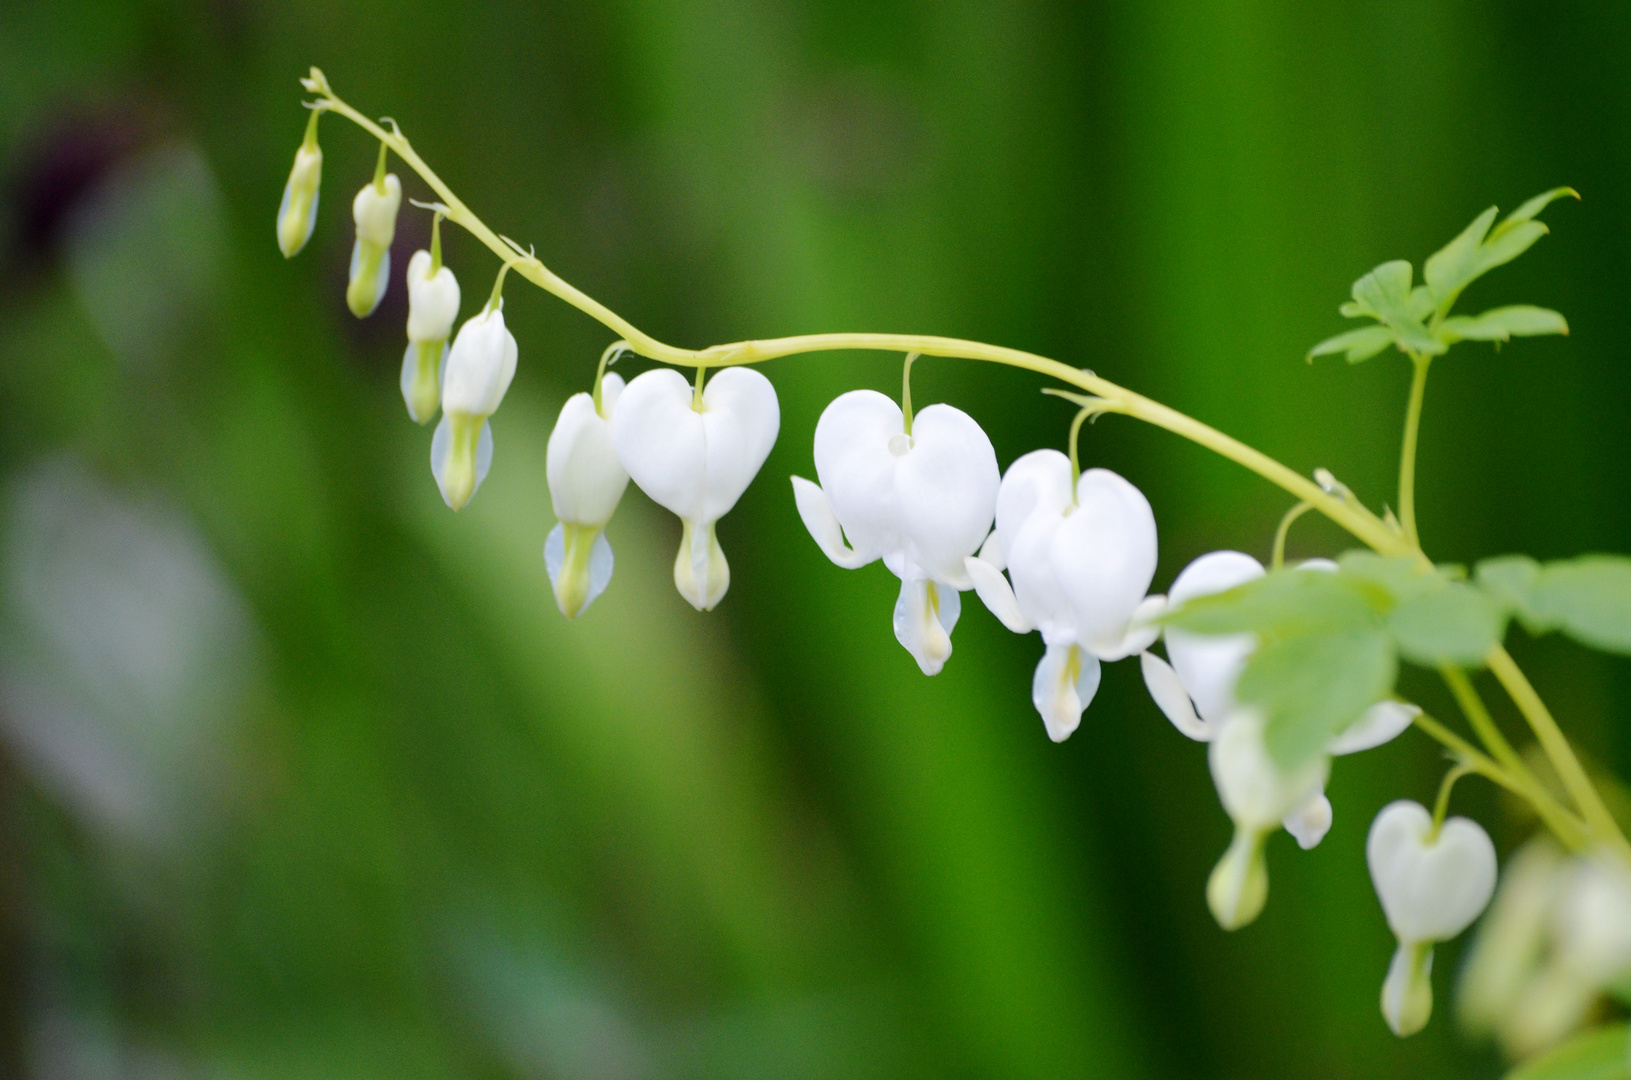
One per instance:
[(1360, 344), (1456, 624), (1449, 269), (1312, 686), (1588, 598)]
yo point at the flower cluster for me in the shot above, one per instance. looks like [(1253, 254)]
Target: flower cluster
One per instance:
[(1072, 554)]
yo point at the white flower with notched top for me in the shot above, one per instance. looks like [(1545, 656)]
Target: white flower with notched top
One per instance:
[(374, 211), (1433, 882), (694, 454), (1196, 690), (921, 502), (433, 304), (1081, 562), (586, 482), (480, 365)]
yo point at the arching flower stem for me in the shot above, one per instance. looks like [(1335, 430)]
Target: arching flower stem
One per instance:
[(1278, 559), (1350, 514), (906, 393)]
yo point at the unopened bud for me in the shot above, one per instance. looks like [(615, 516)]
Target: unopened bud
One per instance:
[(374, 211), (433, 304), (480, 365), (586, 482), (297, 214)]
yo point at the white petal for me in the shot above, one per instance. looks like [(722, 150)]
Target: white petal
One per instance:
[(1064, 684), (1171, 698), (1031, 569), (374, 211), (1209, 664), (924, 616), (995, 592), (742, 418), (1140, 632), (1378, 724), (816, 513), (1104, 556), (1255, 791), (433, 299), (946, 492), (991, 551), (480, 365), (660, 441), (857, 470), (1310, 821), (1037, 482), (1431, 888), (586, 481)]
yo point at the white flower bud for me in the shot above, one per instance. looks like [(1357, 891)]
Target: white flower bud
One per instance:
[(695, 458), (297, 214), (586, 482), (374, 211), (433, 304), (1432, 886), (480, 366)]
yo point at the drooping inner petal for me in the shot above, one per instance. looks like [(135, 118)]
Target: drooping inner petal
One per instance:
[(1239, 885), (461, 452), (925, 614), (1066, 680), (1310, 821), (700, 571), (370, 273), (997, 595)]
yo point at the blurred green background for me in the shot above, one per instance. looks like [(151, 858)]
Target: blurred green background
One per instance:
[(304, 776)]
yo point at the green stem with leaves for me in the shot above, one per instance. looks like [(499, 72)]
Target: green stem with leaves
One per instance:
[(1407, 456)]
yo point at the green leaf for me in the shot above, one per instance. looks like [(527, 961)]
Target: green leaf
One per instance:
[(1360, 344), (1588, 598), (1502, 324), (1313, 686), (1599, 1054), (1284, 604), (1531, 209), (1387, 580), (1385, 295), (1456, 624), (1508, 580), (1454, 265)]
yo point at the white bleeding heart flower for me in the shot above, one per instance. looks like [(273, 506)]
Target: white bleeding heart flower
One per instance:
[(1196, 689), (1081, 564), (586, 482), (374, 212), (1258, 795), (695, 456), (1432, 886), (433, 304), (480, 365), (297, 214), (920, 502)]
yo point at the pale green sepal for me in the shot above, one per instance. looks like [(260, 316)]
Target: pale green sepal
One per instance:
[(579, 560), (1239, 885)]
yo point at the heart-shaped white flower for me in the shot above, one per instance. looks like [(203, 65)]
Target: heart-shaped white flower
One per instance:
[(1432, 886), (1080, 567), (695, 458), (920, 502), (586, 482)]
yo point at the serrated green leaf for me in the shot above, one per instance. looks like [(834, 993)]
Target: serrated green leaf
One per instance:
[(1450, 268), (1503, 324), (1599, 1054), (1456, 624), (1508, 580), (1313, 686), (1283, 604), (1360, 344), (1588, 598), (1530, 209)]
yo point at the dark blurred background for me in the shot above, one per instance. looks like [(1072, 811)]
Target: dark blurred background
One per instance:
[(304, 776)]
